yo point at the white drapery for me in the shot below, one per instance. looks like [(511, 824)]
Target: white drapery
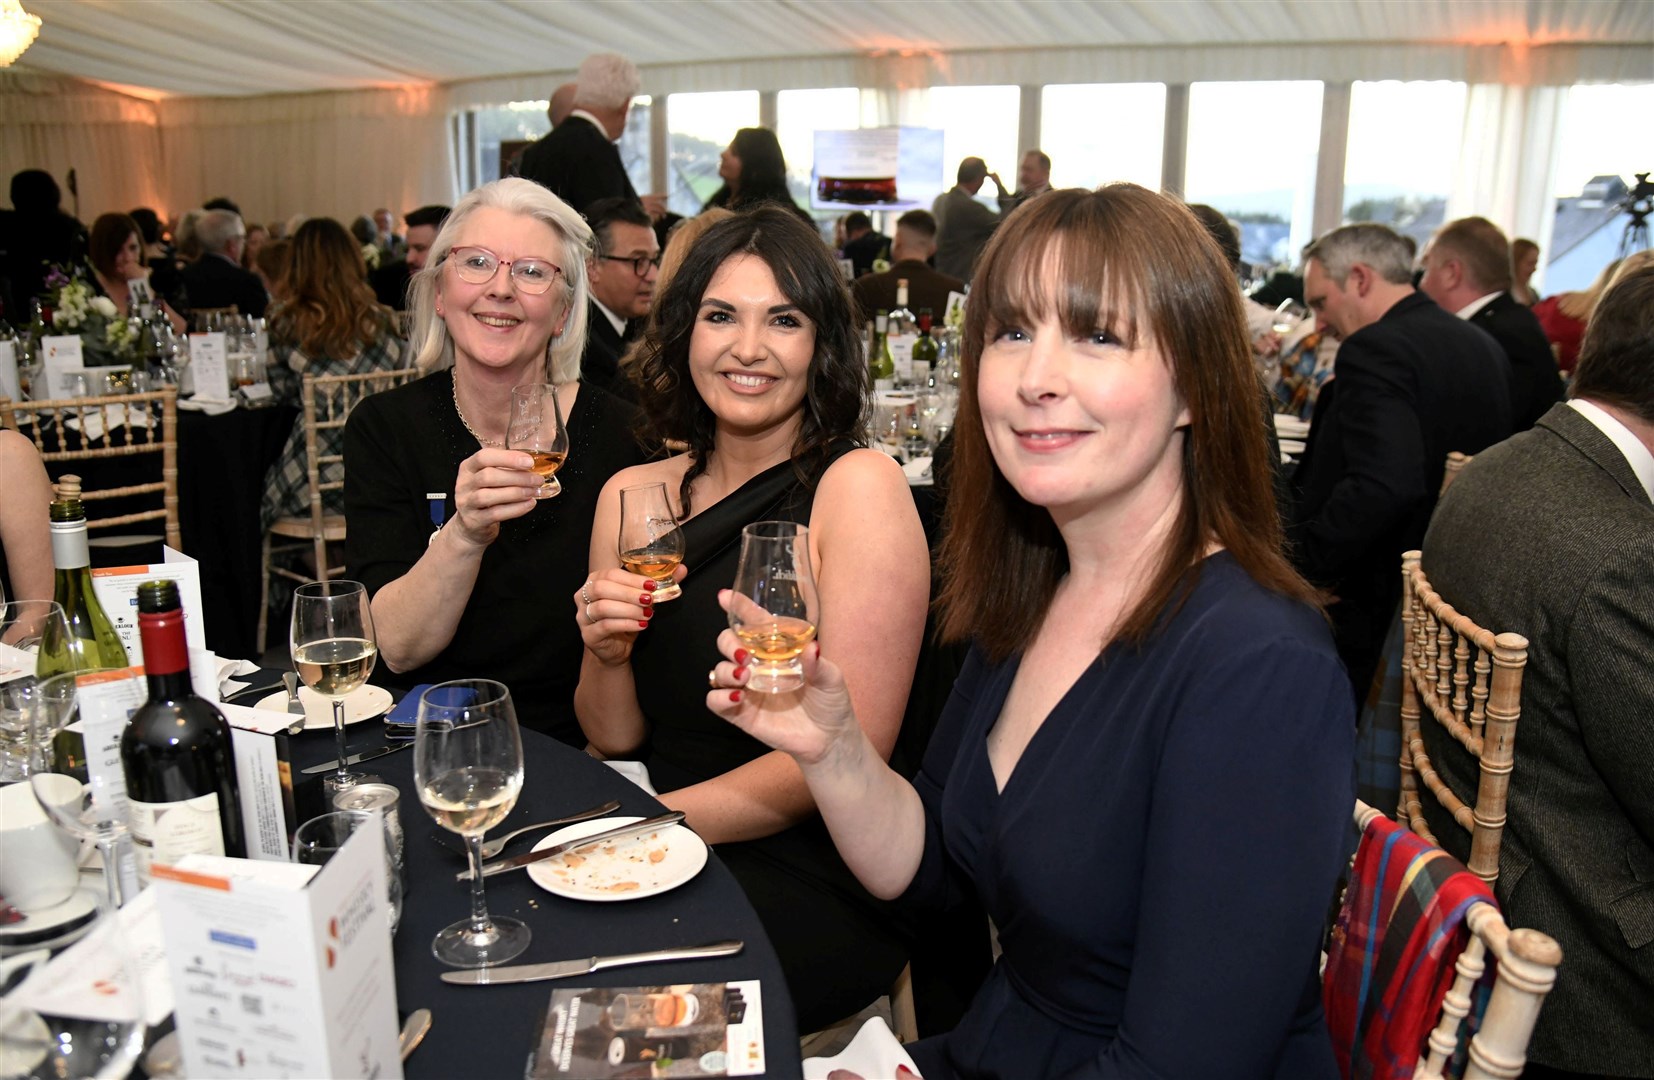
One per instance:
[(110, 140), (1507, 159)]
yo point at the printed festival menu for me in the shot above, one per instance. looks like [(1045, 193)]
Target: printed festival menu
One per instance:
[(687, 1029)]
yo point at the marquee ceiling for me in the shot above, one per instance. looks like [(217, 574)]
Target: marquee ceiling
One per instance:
[(161, 48)]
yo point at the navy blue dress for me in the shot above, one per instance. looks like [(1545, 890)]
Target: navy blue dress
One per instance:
[(1161, 861)]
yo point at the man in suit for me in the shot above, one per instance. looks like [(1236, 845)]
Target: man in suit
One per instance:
[(963, 225), (390, 244), (579, 161), (1411, 383), (390, 281), (1467, 270), (915, 243), (623, 272), (216, 279), (862, 244), (1033, 178), (1550, 535)]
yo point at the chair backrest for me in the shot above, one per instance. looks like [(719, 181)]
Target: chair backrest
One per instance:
[(327, 401), (141, 427), (1469, 680), (1455, 464), (1525, 965)]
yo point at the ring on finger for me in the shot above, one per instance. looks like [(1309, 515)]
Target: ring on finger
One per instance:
[(583, 595), (589, 614), (712, 678)]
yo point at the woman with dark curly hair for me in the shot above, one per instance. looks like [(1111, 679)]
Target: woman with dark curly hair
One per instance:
[(754, 172), (330, 324), (752, 359)]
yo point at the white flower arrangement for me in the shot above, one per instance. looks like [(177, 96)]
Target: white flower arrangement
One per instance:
[(105, 334)]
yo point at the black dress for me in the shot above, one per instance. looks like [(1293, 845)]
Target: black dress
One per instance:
[(406, 444), (839, 946)]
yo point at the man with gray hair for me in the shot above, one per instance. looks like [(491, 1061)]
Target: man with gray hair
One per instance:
[(579, 161), (216, 279), (1411, 384), (1467, 270)]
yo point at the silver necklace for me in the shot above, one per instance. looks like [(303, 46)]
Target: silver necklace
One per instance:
[(454, 382)]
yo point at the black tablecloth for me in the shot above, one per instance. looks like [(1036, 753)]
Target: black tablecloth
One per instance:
[(488, 1031)]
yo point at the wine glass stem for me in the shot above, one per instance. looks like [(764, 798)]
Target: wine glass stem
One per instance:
[(339, 733), (119, 875), (479, 906)]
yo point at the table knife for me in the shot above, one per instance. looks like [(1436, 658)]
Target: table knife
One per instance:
[(356, 759), (501, 865), (562, 969)]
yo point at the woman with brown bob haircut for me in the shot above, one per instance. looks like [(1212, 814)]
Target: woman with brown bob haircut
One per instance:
[(1145, 770), (329, 323)]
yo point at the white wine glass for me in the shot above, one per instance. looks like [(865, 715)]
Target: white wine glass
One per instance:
[(536, 428), (773, 608), (468, 770), (1288, 315), (41, 1041), (24, 626), (651, 542), (334, 650), (93, 811)]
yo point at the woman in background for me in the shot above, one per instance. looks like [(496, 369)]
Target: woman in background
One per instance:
[(330, 324), (754, 173), (116, 253), (1563, 318)]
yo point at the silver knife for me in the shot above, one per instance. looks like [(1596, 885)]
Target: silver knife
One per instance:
[(501, 865), (562, 969), (356, 759)]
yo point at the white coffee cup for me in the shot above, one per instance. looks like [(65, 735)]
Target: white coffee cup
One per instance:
[(37, 859)]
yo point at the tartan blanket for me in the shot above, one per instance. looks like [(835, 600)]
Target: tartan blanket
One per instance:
[(1391, 959)]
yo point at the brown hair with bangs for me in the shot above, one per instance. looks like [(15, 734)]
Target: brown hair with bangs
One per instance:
[(1140, 265)]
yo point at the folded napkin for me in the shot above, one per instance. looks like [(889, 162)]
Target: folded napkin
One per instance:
[(635, 771), (227, 685), (206, 405), (1391, 959), (873, 1054)]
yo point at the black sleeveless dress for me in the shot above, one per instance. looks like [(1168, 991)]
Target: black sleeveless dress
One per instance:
[(840, 947)]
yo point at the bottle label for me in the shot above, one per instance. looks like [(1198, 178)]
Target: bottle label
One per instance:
[(901, 351), (166, 832)]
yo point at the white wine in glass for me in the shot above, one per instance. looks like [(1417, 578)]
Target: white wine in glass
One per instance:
[(773, 608), (468, 770), (334, 649), (536, 428), (651, 543)]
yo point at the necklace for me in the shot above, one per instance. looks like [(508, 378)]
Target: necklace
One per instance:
[(461, 414)]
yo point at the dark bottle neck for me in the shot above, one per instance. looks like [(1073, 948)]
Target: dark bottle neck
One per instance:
[(166, 654)]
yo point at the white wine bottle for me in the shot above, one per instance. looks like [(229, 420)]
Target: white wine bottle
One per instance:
[(879, 361), (92, 642), (176, 754), (903, 332)]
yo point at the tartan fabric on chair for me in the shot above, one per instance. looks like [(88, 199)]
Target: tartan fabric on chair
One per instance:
[(1391, 961)]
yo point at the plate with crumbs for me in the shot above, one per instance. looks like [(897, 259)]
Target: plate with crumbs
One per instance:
[(625, 868)]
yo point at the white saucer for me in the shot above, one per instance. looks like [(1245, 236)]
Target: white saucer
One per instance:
[(363, 704), (626, 868), (44, 928)]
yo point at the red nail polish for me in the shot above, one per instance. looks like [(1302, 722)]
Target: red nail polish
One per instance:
[(741, 656), (646, 599), (643, 624), (650, 586), (740, 673), (734, 696)]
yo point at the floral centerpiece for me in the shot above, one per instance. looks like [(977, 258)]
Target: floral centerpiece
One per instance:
[(106, 337)]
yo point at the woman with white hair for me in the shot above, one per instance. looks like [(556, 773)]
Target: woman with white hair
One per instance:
[(462, 562)]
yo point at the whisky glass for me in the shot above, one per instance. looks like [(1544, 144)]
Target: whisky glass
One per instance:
[(774, 605), (536, 428), (651, 543)]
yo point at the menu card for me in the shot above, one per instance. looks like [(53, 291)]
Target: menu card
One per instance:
[(688, 1029), (117, 591), (209, 367), (280, 969), (92, 979), (61, 361)]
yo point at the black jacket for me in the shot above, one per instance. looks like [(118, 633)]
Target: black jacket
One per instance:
[(578, 163), (212, 281), (1535, 380)]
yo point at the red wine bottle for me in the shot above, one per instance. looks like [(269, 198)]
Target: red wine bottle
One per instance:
[(175, 751)]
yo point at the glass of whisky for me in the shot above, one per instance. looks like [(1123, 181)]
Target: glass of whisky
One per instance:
[(774, 606), (651, 543), (536, 428)]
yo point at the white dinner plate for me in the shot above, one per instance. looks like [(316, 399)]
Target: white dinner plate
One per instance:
[(363, 704), (45, 929), (621, 869)]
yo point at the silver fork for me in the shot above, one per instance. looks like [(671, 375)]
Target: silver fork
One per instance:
[(494, 847)]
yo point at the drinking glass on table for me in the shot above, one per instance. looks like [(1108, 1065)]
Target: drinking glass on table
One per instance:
[(319, 839), (39, 1039), (333, 651), (651, 542), (536, 428), (24, 625), (468, 770), (773, 607), (1288, 316)]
